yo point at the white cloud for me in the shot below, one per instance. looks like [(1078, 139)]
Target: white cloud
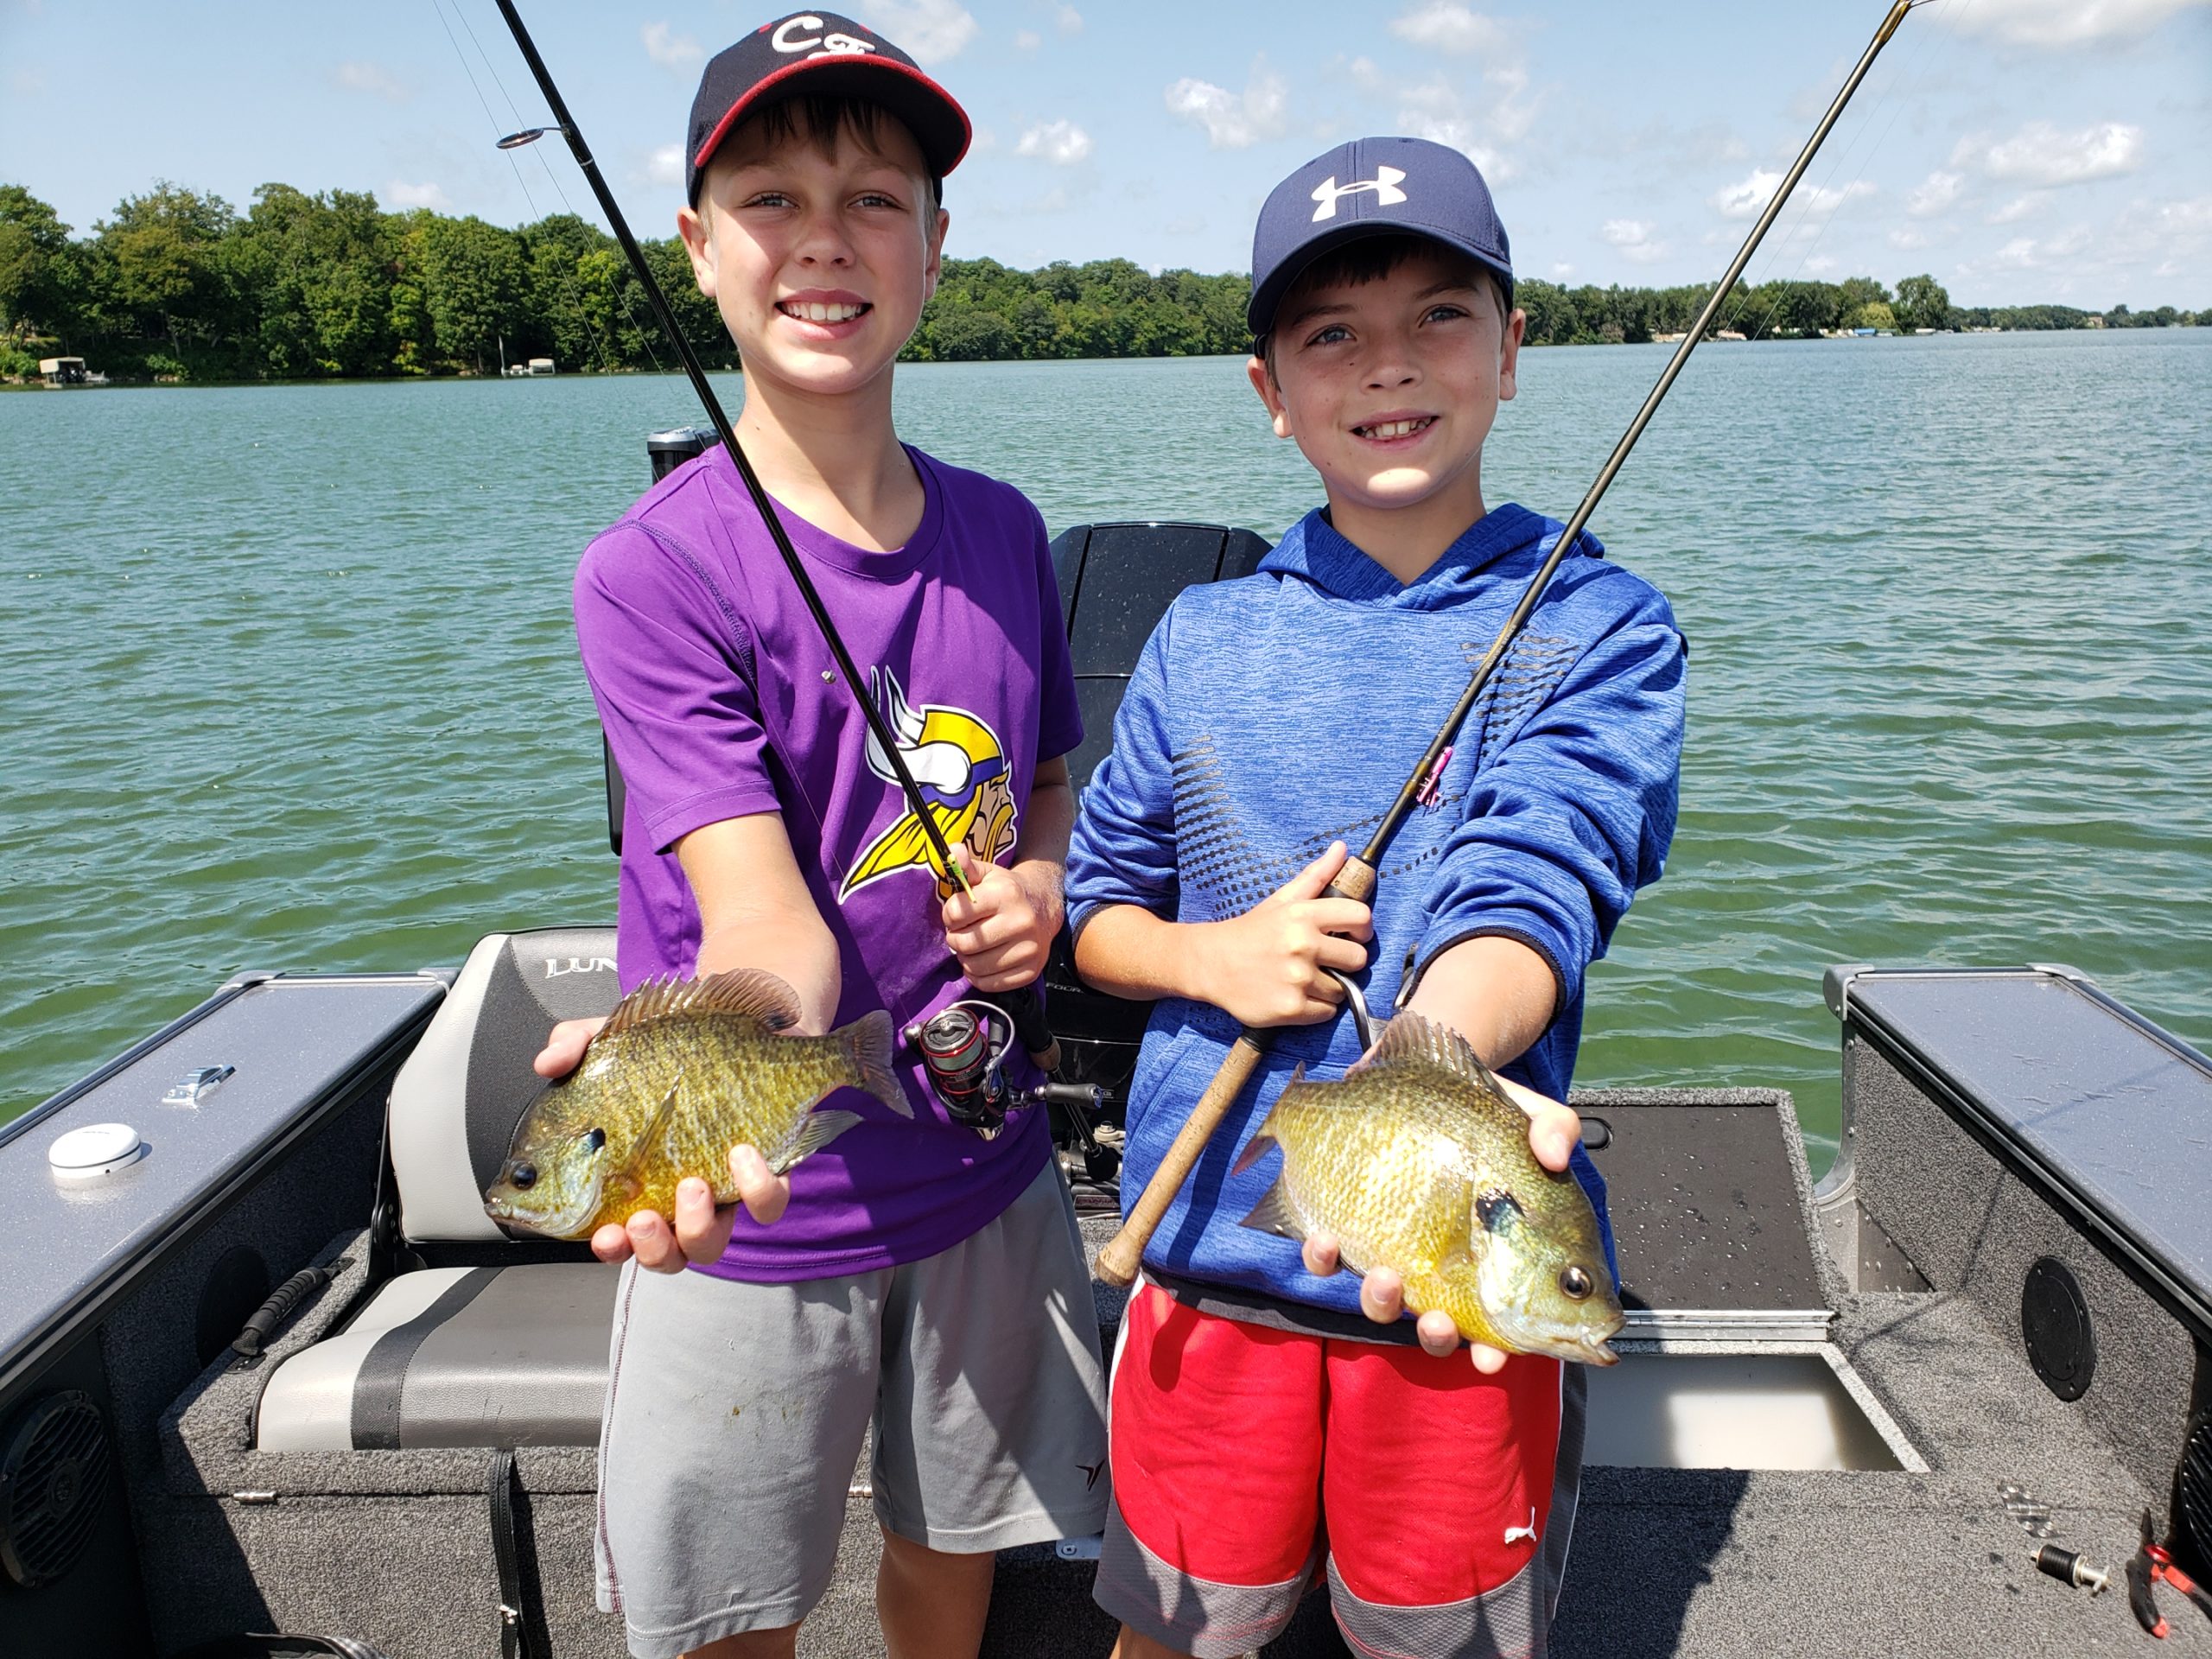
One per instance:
[(2041, 155), (2062, 22), (1561, 270), (1447, 26), (400, 194), (1067, 19), (1061, 142), (1233, 120), (1819, 264), (665, 165), (1936, 194), (2017, 209), (933, 30), (1906, 240), (1027, 40), (1635, 237), (362, 76), (668, 48), (1747, 198)]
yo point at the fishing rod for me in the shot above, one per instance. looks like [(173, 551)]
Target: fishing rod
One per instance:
[(1022, 1007), (1118, 1261)]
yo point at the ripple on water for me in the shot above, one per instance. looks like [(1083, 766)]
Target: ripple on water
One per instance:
[(298, 688)]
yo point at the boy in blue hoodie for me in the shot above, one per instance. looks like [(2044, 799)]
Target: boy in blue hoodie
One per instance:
[(1272, 1418)]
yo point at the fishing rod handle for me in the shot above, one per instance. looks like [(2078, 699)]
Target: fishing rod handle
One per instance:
[(1124, 1252), (1027, 1010), (1118, 1261)]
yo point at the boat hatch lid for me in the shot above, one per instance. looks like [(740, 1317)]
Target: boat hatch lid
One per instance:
[(2109, 1114), (270, 1058)]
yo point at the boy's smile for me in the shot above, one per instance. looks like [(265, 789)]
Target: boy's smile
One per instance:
[(1390, 388), (819, 260)]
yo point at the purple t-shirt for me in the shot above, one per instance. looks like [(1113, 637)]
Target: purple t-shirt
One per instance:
[(720, 700)]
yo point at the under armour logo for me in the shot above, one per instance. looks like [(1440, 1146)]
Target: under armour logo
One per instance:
[(1384, 184), (1528, 1532), (818, 46)]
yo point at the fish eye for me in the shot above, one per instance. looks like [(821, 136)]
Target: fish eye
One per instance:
[(523, 1174), (1576, 1283), (592, 1139)]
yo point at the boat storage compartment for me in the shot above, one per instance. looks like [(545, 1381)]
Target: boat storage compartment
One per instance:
[(2033, 1145), (1726, 1358)]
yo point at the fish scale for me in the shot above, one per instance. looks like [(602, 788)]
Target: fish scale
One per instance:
[(1418, 1161)]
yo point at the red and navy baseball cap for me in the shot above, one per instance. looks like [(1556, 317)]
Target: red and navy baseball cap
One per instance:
[(1372, 187), (810, 53)]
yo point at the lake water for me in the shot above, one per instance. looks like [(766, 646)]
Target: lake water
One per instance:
[(287, 676)]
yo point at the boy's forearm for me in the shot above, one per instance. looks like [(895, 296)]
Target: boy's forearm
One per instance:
[(1495, 991), (1125, 950), (1042, 844)]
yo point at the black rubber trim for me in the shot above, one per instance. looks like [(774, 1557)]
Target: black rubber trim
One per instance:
[(382, 1376)]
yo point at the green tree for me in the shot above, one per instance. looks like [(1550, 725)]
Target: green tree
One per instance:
[(1922, 302), (168, 277), (34, 268), (316, 273), (473, 278)]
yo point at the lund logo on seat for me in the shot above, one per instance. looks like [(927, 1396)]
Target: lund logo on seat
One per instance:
[(555, 969)]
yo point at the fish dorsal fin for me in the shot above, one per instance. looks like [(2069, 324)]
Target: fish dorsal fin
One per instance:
[(750, 993), (1409, 1040)]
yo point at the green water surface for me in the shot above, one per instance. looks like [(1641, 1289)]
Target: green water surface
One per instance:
[(287, 676)]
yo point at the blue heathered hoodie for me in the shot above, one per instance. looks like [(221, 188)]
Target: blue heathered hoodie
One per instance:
[(1271, 715)]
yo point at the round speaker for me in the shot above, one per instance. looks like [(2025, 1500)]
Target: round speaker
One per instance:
[(53, 1479), (2193, 1492), (2055, 1325)]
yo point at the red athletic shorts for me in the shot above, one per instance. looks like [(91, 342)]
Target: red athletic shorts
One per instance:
[(1246, 1457)]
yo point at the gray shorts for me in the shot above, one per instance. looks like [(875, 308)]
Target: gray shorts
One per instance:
[(735, 1415)]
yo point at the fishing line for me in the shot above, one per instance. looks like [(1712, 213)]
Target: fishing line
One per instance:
[(629, 300), (1915, 76), (568, 277)]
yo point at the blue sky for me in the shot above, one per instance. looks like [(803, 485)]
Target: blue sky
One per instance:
[(2019, 150)]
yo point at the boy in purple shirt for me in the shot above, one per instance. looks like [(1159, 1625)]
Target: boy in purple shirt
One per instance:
[(912, 1276)]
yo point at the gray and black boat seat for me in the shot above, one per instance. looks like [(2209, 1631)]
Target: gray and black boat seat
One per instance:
[(471, 1348)]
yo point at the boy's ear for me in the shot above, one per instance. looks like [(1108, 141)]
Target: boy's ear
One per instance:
[(1270, 394), (934, 265), (1509, 353), (693, 229)]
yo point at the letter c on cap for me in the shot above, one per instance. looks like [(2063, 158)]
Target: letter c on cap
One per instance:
[(781, 39)]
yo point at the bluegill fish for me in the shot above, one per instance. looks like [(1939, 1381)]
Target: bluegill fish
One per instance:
[(684, 1071), (1420, 1162)]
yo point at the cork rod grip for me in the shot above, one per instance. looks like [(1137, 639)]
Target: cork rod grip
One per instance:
[(1117, 1262)]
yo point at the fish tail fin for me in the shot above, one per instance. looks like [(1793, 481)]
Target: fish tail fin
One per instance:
[(868, 1040)]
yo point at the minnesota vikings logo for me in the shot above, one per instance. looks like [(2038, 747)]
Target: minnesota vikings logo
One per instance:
[(964, 780)]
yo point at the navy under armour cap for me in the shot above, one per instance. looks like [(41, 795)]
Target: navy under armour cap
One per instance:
[(810, 53), (1372, 187)]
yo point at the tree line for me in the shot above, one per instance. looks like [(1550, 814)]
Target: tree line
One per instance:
[(179, 284)]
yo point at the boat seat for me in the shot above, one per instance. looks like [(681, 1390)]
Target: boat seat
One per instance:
[(487, 1353)]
